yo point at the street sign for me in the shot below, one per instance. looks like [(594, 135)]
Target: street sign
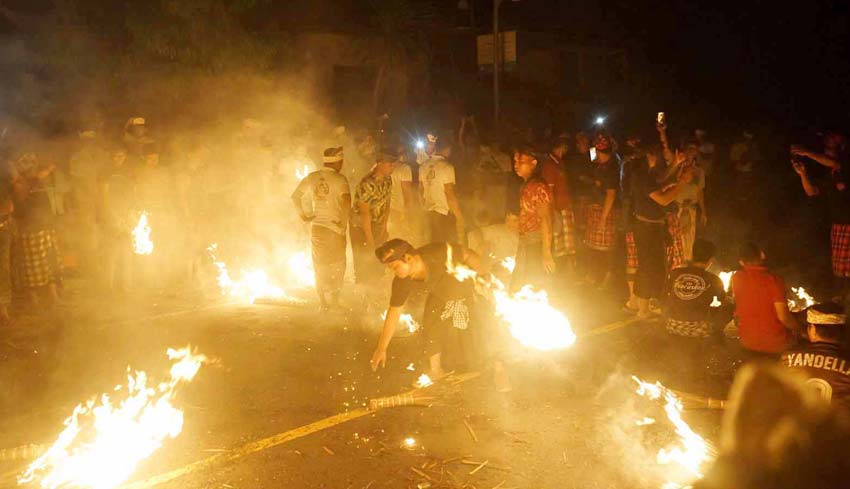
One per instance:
[(485, 48)]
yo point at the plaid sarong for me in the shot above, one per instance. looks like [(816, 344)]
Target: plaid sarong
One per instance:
[(631, 254), (599, 235), (564, 237), (840, 239), (676, 246), (35, 260), (691, 329)]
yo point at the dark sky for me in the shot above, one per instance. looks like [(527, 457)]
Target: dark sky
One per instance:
[(781, 59)]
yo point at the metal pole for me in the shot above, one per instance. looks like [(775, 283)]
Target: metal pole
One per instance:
[(496, 62)]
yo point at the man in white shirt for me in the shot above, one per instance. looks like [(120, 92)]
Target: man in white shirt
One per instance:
[(400, 224), (437, 186), (330, 199)]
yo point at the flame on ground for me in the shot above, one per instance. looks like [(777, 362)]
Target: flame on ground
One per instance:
[(715, 302), (105, 440), (509, 263), (802, 301), (691, 452), (301, 268), (424, 381), (726, 278), (142, 244), (253, 284), (531, 319)]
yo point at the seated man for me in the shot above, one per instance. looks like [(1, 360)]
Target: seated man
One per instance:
[(695, 304), (823, 359), (765, 324)]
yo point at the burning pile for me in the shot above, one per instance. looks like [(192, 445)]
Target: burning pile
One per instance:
[(142, 244), (531, 319), (802, 301), (253, 284), (692, 452), (104, 441)]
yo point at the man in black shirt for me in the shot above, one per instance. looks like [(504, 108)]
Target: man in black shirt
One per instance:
[(695, 302), (448, 306), (824, 360)]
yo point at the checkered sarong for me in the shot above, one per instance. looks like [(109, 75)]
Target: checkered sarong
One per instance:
[(458, 312), (691, 329), (35, 260), (599, 235), (564, 237), (840, 238), (631, 254), (676, 245)]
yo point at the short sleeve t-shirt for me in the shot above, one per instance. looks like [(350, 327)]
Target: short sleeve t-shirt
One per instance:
[(643, 182), (532, 195), (375, 192), (606, 176), (402, 174), (827, 367), (326, 188), (434, 174), (756, 291), (690, 292), (555, 174), (439, 282)]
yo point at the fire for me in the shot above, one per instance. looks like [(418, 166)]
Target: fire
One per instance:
[(301, 173), (803, 300), (531, 319), (509, 263), (253, 284), (104, 441), (726, 278), (142, 244), (406, 320), (301, 267), (424, 381), (692, 452), (715, 302)]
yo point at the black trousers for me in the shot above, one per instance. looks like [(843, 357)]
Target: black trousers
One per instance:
[(652, 268)]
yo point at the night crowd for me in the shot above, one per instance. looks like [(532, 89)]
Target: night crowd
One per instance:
[(558, 210)]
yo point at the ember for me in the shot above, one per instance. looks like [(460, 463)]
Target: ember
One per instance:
[(103, 442)]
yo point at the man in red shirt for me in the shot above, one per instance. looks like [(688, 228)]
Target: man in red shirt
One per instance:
[(554, 172), (764, 321)]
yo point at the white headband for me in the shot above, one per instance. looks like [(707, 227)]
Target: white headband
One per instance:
[(332, 159), (817, 317)]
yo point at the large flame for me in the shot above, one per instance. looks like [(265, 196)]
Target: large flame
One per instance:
[(691, 452), (301, 268), (531, 319), (802, 301), (509, 263), (253, 284), (726, 278), (142, 244), (105, 440)]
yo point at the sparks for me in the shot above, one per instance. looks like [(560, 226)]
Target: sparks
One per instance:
[(104, 440), (142, 244), (691, 452)]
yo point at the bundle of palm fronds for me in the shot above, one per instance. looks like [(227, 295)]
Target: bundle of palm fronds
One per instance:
[(412, 398), (693, 401), (23, 452)]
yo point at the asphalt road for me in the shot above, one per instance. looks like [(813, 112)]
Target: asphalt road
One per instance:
[(569, 422)]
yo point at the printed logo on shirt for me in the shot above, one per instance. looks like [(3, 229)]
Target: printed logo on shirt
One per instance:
[(322, 189), (688, 287)]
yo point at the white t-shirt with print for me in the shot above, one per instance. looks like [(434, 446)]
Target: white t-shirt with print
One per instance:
[(433, 176), (690, 191), (325, 189)]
